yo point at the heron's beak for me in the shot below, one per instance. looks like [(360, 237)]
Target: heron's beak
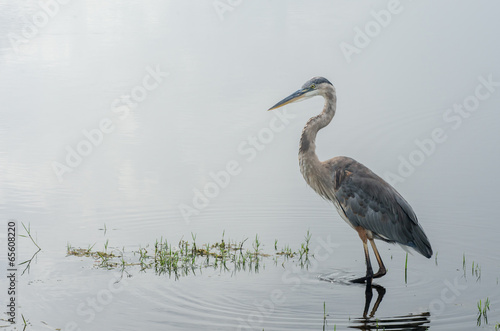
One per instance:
[(296, 96)]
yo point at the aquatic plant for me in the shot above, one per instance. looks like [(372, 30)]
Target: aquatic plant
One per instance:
[(406, 269), (324, 316), (186, 257), (482, 311), (28, 262), (476, 270)]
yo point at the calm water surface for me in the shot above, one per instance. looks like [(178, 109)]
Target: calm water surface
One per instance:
[(179, 94)]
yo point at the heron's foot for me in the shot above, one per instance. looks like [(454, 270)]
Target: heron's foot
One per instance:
[(361, 280), (380, 273), (368, 278)]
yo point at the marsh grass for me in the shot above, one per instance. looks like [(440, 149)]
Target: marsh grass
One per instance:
[(303, 252), (26, 322), (325, 321), (104, 258), (324, 316), (476, 270), (28, 262), (482, 314), (464, 266), (185, 257), (406, 269)]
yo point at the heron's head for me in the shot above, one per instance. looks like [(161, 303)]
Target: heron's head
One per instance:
[(314, 86)]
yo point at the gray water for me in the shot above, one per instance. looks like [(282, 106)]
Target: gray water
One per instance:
[(116, 114)]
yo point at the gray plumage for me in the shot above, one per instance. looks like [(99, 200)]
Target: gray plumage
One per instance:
[(368, 201), (364, 200)]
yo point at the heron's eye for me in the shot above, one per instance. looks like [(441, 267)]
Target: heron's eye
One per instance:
[(313, 86)]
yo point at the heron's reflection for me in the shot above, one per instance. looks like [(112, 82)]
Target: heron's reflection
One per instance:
[(416, 322), (368, 298)]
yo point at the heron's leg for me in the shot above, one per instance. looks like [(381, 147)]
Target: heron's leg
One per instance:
[(369, 270), (381, 270)]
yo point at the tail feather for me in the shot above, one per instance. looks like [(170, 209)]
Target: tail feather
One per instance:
[(420, 242)]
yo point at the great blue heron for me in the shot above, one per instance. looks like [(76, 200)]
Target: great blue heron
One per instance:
[(364, 200)]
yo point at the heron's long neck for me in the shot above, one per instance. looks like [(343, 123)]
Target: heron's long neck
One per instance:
[(311, 168), (307, 149)]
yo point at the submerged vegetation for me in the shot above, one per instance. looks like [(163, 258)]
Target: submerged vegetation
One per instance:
[(188, 257)]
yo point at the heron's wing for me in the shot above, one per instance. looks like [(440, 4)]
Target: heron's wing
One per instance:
[(370, 202)]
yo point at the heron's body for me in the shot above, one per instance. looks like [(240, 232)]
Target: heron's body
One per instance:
[(364, 200)]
